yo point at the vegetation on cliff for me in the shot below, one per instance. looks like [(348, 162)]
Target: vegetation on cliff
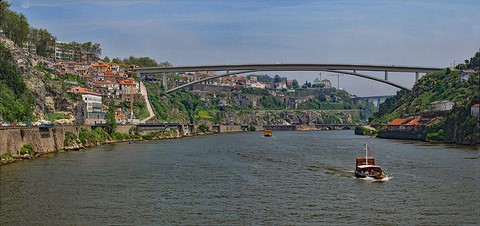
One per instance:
[(458, 125), (16, 101)]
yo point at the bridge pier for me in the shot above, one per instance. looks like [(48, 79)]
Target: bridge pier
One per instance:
[(417, 76), (164, 81), (386, 75)]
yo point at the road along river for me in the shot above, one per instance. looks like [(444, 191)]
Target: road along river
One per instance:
[(245, 179)]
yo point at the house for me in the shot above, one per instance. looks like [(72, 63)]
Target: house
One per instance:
[(100, 67), (126, 89), (474, 111), (398, 124), (465, 74), (257, 85), (443, 105), (281, 85), (416, 125), (93, 100)]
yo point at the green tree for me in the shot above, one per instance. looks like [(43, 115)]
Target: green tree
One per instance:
[(14, 25), (295, 84), (43, 41), (110, 118), (277, 79), (106, 59)]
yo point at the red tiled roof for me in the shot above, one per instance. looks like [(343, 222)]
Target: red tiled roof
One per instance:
[(84, 91), (126, 82), (399, 121), (413, 122), (476, 106)]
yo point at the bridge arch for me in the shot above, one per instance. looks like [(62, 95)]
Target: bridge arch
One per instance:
[(251, 71), (249, 68)]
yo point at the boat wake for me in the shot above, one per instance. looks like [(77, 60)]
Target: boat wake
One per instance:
[(370, 179)]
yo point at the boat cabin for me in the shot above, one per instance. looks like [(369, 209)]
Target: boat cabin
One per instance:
[(361, 161)]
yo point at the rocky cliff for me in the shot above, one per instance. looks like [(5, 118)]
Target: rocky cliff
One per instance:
[(50, 95)]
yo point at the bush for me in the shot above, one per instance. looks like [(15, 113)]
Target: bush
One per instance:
[(7, 155), (26, 149), (203, 128), (70, 139), (93, 136), (252, 128)]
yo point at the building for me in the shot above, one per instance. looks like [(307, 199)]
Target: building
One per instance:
[(326, 83), (465, 74), (474, 111), (443, 105), (128, 88), (61, 53), (93, 101), (399, 124)]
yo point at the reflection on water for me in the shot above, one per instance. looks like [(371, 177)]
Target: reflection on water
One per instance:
[(245, 178)]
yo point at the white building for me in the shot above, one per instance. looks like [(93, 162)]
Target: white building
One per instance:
[(257, 85), (475, 111), (61, 53), (443, 105), (93, 100)]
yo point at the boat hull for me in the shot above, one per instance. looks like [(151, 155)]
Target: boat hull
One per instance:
[(267, 133), (376, 177)]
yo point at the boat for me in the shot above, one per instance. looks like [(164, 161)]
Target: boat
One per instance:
[(366, 168), (267, 132)]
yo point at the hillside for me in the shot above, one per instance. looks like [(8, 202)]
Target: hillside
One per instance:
[(28, 92), (457, 125), (240, 106)]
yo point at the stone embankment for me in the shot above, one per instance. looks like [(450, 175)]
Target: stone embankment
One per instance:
[(41, 140), (46, 140)]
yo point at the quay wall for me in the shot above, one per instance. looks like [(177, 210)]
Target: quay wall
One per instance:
[(403, 135), (43, 140)]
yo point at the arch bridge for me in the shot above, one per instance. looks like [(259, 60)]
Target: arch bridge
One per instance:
[(348, 69)]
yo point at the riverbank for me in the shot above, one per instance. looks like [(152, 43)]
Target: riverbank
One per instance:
[(402, 135), (30, 143)]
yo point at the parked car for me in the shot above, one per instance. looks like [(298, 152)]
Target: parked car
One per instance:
[(44, 123), (7, 124)]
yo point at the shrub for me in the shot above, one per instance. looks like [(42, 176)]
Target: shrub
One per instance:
[(7, 155), (82, 135), (203, 128), (70, 139), (26, 149), (93, 136)]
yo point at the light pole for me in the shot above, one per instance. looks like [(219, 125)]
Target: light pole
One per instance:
[(338, 80)]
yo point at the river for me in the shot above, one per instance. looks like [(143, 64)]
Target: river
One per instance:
[(292, 178)]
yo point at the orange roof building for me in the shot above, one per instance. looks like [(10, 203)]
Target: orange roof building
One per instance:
[(84, 91), (400, 121)]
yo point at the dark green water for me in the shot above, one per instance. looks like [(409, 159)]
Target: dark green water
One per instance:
[(292, 178)]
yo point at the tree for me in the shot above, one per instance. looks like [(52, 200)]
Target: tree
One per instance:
[(110, 118), (43, 41), (117, 60), (295, 84), (277, 79), (15, 26), (106, 59)]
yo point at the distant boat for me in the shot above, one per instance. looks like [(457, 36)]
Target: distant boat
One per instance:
[(267, 132), (366, 168)]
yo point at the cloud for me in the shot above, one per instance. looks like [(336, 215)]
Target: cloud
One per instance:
[(30, 3)]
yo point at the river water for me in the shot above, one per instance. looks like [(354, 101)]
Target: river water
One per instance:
[(292, 178)]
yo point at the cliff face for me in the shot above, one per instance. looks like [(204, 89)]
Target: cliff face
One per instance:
[(32, 79), (50, 95), (286, 117)]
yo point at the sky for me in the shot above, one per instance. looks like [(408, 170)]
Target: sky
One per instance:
[(209, 32)]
